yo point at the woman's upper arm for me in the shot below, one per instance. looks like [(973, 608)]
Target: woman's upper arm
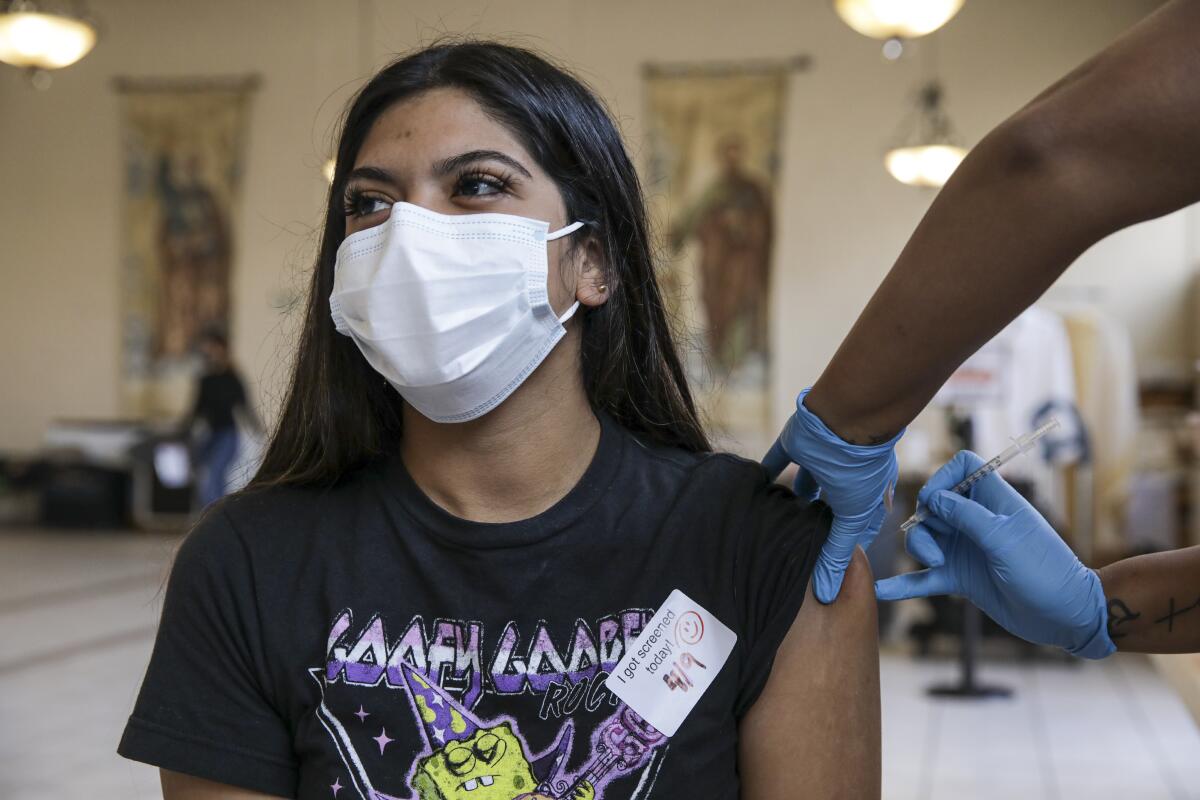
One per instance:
[(814, 730), (177, 786)]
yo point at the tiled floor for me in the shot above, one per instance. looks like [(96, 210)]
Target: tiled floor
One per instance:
[(77, 617), (77, 614), (1085, 730)]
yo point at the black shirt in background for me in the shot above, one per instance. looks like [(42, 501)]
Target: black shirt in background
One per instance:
[(361, 642), (219, 394)]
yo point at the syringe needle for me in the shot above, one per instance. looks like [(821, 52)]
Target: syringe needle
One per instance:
[(1019, 446)]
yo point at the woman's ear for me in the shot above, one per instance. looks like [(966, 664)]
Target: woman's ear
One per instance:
[(594, 287)]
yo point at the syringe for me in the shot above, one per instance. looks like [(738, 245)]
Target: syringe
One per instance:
[(1020, 445)]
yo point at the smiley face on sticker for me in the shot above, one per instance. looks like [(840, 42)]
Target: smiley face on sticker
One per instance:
[(690, 628)]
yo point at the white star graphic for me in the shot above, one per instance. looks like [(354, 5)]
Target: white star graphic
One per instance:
[(440, 734), (362, 715), (336, 786), (437, 700)]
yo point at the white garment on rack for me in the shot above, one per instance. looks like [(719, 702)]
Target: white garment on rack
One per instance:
[(1026, 376), (1106, 377)]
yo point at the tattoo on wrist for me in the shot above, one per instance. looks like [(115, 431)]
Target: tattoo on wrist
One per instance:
[(1172, 613), (1119, 614)]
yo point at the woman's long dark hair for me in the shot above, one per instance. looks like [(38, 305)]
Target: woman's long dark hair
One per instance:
[(339, 413)]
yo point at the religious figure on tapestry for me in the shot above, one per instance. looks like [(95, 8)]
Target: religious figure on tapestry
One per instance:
[(194, 255), (714, 153), (182, 143), (731, 224)]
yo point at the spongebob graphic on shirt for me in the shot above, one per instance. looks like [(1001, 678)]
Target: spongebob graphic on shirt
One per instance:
[(432, 680)]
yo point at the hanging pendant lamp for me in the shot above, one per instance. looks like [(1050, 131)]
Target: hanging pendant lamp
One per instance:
[(926, 153), (896, 19), (44, 35)]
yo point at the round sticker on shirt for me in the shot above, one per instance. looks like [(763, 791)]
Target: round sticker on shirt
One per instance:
[(690, 628)]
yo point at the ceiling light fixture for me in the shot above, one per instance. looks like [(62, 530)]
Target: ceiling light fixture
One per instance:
[(926, 153), (896, 19), (42, 36)]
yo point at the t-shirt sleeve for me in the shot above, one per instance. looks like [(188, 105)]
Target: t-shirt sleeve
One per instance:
[(776, 552), (205, 706)]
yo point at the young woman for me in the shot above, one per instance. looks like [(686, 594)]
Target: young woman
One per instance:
[(488, 476)]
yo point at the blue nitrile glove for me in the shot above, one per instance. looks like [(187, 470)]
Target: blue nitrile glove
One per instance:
[(1005, 558), (855, 480)]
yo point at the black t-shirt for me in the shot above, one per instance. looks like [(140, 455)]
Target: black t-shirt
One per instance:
[(220, 393), (361, 642)]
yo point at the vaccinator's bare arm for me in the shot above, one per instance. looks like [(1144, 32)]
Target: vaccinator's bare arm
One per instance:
[(1154, 602), (1114, 143)]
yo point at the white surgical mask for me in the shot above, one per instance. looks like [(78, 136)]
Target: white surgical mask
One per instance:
[(452, 310)]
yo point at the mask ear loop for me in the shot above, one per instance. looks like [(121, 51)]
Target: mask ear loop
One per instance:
[(558, 234), (561, 232)]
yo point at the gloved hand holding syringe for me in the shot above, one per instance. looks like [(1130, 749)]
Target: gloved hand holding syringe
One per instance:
[(996, 550), (1020, 445)]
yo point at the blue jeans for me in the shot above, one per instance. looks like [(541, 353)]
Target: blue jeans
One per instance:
[(215, 458)]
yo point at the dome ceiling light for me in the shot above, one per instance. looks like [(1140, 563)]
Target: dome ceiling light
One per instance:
[(926, 154), (896, 19), (41, 36)]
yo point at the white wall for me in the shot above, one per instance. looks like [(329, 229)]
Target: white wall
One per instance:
[(1144, 276), (845, 219)]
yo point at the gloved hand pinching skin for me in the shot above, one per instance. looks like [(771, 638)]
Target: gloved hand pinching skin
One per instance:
[(1004, 557), (855, 480)]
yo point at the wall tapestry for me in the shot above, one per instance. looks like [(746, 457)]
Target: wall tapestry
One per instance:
[(713, 136), (182, 144)]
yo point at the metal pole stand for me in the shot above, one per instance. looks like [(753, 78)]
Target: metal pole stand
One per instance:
[(969, 650)]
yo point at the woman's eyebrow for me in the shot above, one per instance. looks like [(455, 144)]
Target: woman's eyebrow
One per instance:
[(373, 174), (455, 163)]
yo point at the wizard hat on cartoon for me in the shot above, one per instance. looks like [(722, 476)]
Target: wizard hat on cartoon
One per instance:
[(444, 719)]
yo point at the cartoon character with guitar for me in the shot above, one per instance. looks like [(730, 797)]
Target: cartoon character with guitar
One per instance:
[(472, 759)]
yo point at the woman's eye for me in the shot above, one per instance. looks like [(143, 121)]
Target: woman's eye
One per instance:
[(478, 186), (364, 205), (374, 204)]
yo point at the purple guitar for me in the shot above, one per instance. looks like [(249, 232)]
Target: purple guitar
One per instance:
[(621, 745)]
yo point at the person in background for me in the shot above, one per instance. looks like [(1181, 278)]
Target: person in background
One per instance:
[(1114, 143), (219, 397)]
